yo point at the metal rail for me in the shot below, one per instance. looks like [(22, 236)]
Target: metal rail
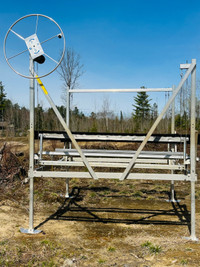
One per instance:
[(110, 165), (113, 137), (125, 90), (116, 153), (112, 175)]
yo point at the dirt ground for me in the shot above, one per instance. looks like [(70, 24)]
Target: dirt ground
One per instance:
[(105, 223)]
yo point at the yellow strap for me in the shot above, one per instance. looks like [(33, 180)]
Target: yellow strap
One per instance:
[(41, 85)]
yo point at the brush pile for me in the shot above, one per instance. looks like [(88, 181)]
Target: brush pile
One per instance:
[(11, 168)]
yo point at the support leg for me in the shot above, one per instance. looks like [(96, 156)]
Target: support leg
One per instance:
[(172, 188), (172, 197), (67, 194), (67, 188), (172, 192), (193, 215), (174, 148), (31, 229), (31, 205), (193, 147), (193, 228)]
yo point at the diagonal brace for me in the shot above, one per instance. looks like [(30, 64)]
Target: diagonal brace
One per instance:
[(60, 118), (132, 162)]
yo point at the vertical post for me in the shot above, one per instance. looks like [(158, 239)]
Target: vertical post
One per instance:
[(41, 146), (31, 147), (193, 150), (172, 191), (67, 188), (69, 144), (173, 113), (67, 107), (31, 229)]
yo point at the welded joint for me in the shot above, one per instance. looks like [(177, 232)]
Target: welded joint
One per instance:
[(192, 177)]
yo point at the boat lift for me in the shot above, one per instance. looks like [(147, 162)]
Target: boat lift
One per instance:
[(170, 165)]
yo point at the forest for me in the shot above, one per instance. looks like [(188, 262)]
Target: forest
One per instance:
[(14, 120)]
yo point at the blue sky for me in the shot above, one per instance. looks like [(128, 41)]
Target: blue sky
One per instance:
[(122, 44)]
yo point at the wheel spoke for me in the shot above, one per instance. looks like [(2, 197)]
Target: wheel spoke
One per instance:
[(36, 26), (51, 38), (17, 34), (18, 54), (51, 58)]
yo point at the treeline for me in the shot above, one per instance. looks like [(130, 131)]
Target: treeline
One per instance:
[(17, 121), (14, 120)]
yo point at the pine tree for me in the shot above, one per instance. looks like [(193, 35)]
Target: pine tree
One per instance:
[(141, 109), (2, 101)]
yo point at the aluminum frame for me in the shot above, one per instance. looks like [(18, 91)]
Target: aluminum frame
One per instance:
[(127, 174)]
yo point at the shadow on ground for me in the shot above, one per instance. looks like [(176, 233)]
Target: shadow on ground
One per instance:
[(72, 210)]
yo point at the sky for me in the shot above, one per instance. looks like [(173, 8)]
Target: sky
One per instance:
[(122, 44)]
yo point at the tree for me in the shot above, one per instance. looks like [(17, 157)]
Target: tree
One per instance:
[(39, 118), (106, 114), (2, 101), (154, 111), (93, 118), (121, 121), (77, 119), (70, 71), (141, 109)]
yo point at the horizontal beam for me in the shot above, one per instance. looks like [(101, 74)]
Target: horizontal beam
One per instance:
[(115, 138), (124, 160), (110, 165), (116, 153), (134, 90), (109, 175), (119, 160)]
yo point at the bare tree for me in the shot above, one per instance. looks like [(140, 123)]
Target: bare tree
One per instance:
[(106, 113), (70, 70)]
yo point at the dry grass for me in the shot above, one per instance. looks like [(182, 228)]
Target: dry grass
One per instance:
[(107, 223)]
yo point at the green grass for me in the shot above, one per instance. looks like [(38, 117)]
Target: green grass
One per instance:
[(184, 262), (146, 244), (153, 249), (189, 249), (48, 264), (4, 242), (50, 244), (101, 261), (111, 249), (92, 194), (138, 194)]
